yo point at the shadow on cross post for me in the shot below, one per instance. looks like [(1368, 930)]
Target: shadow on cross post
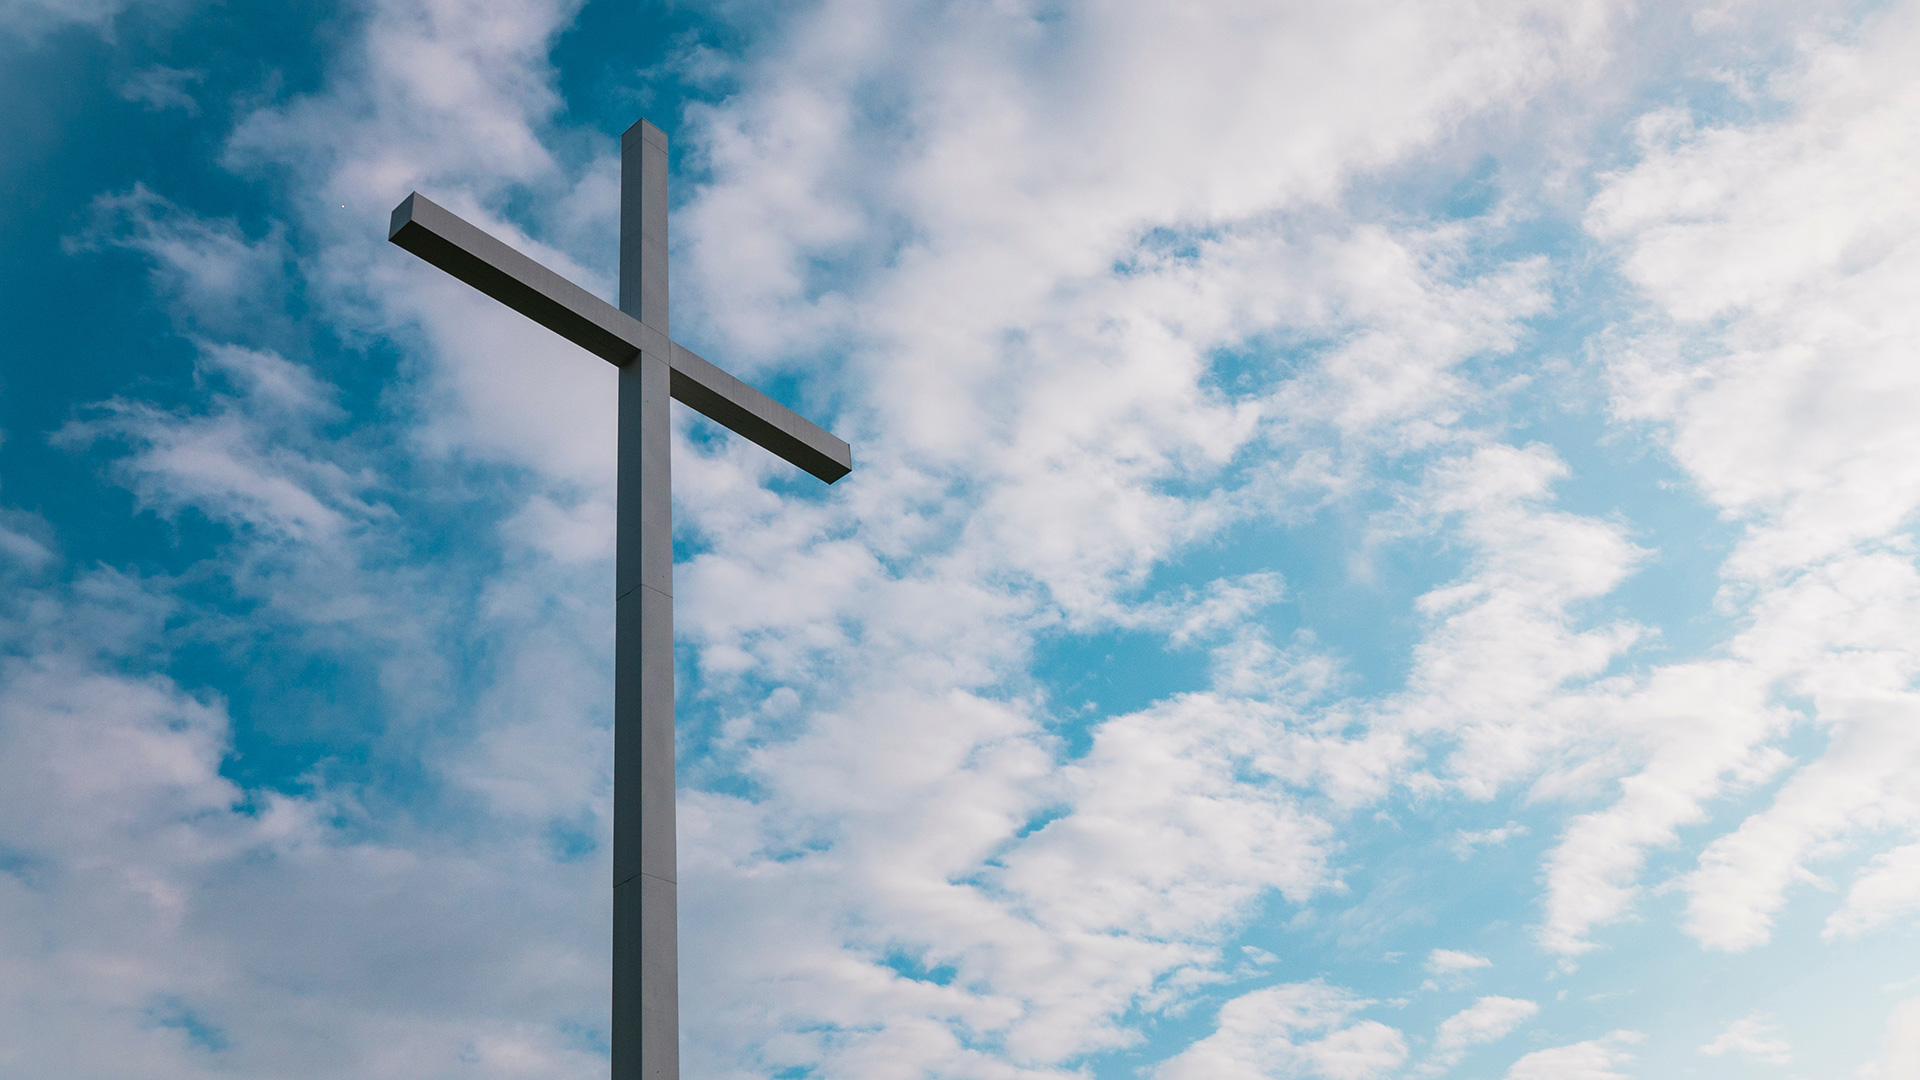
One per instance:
[(653, 369)]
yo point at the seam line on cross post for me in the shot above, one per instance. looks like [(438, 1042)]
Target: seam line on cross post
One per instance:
[(642, 873), (642, 585)]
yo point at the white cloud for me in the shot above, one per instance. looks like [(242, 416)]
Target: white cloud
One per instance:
[(238, 463), (160, 87), (1487, 1020), (1899, 1048), (1594, 1059), (1700, 731), (1022, 410), (1494, 671), (33, 19), (1260, 1036), (1856, 610), (1780, 252), (1751, 1037), (1777, 258), (1123, 899), (1450, 962), (221, 282), (26, 542), (1887, 889), (154, 915), (453, 100), (1224, 604), (1466, 841), (157, 915)]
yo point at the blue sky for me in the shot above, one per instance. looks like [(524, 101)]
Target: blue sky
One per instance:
[(1380, 544)]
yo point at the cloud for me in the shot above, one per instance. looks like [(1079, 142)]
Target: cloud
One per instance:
[(1753, 1038), (1701, 732), (220, 281), (1465, 841), (237, 463), (1450, 962), (1773, 257), (1029, 383), (1899, 1048), (156, 915), (1153, 848), (1488, 1019), (1856, 608), (1594, 1059), (1497, 671), (407, 876), (1888, 888), (26, 542), (160, 87), (1225, 603), (1257, 1036), (34, 19)]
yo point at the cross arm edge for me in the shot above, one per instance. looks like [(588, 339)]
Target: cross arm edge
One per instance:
[(738, 406), (467, 252)]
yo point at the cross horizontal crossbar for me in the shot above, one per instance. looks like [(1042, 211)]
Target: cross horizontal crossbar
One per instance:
[(469, 253)]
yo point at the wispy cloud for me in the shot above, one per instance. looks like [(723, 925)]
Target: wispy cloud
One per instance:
[(1300, 1029), (1594, 1059), (160, 87), (1751, 1037), (1487, 1020), (1452, 962), (1774, 367)]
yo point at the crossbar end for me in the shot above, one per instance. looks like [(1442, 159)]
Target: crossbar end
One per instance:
[(402, 215)]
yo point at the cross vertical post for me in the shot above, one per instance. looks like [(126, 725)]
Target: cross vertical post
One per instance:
[(646, 967)]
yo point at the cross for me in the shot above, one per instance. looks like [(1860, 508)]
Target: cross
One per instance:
[(653, 368)]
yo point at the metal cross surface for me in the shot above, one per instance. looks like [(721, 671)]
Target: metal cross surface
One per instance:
[(653, 368)]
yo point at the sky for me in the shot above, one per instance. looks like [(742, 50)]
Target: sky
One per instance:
[(1380, 545)]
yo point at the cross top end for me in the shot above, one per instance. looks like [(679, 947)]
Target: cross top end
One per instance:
[(643, 129)]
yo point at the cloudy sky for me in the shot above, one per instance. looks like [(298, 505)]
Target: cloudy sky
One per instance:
[(1380, 545)]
